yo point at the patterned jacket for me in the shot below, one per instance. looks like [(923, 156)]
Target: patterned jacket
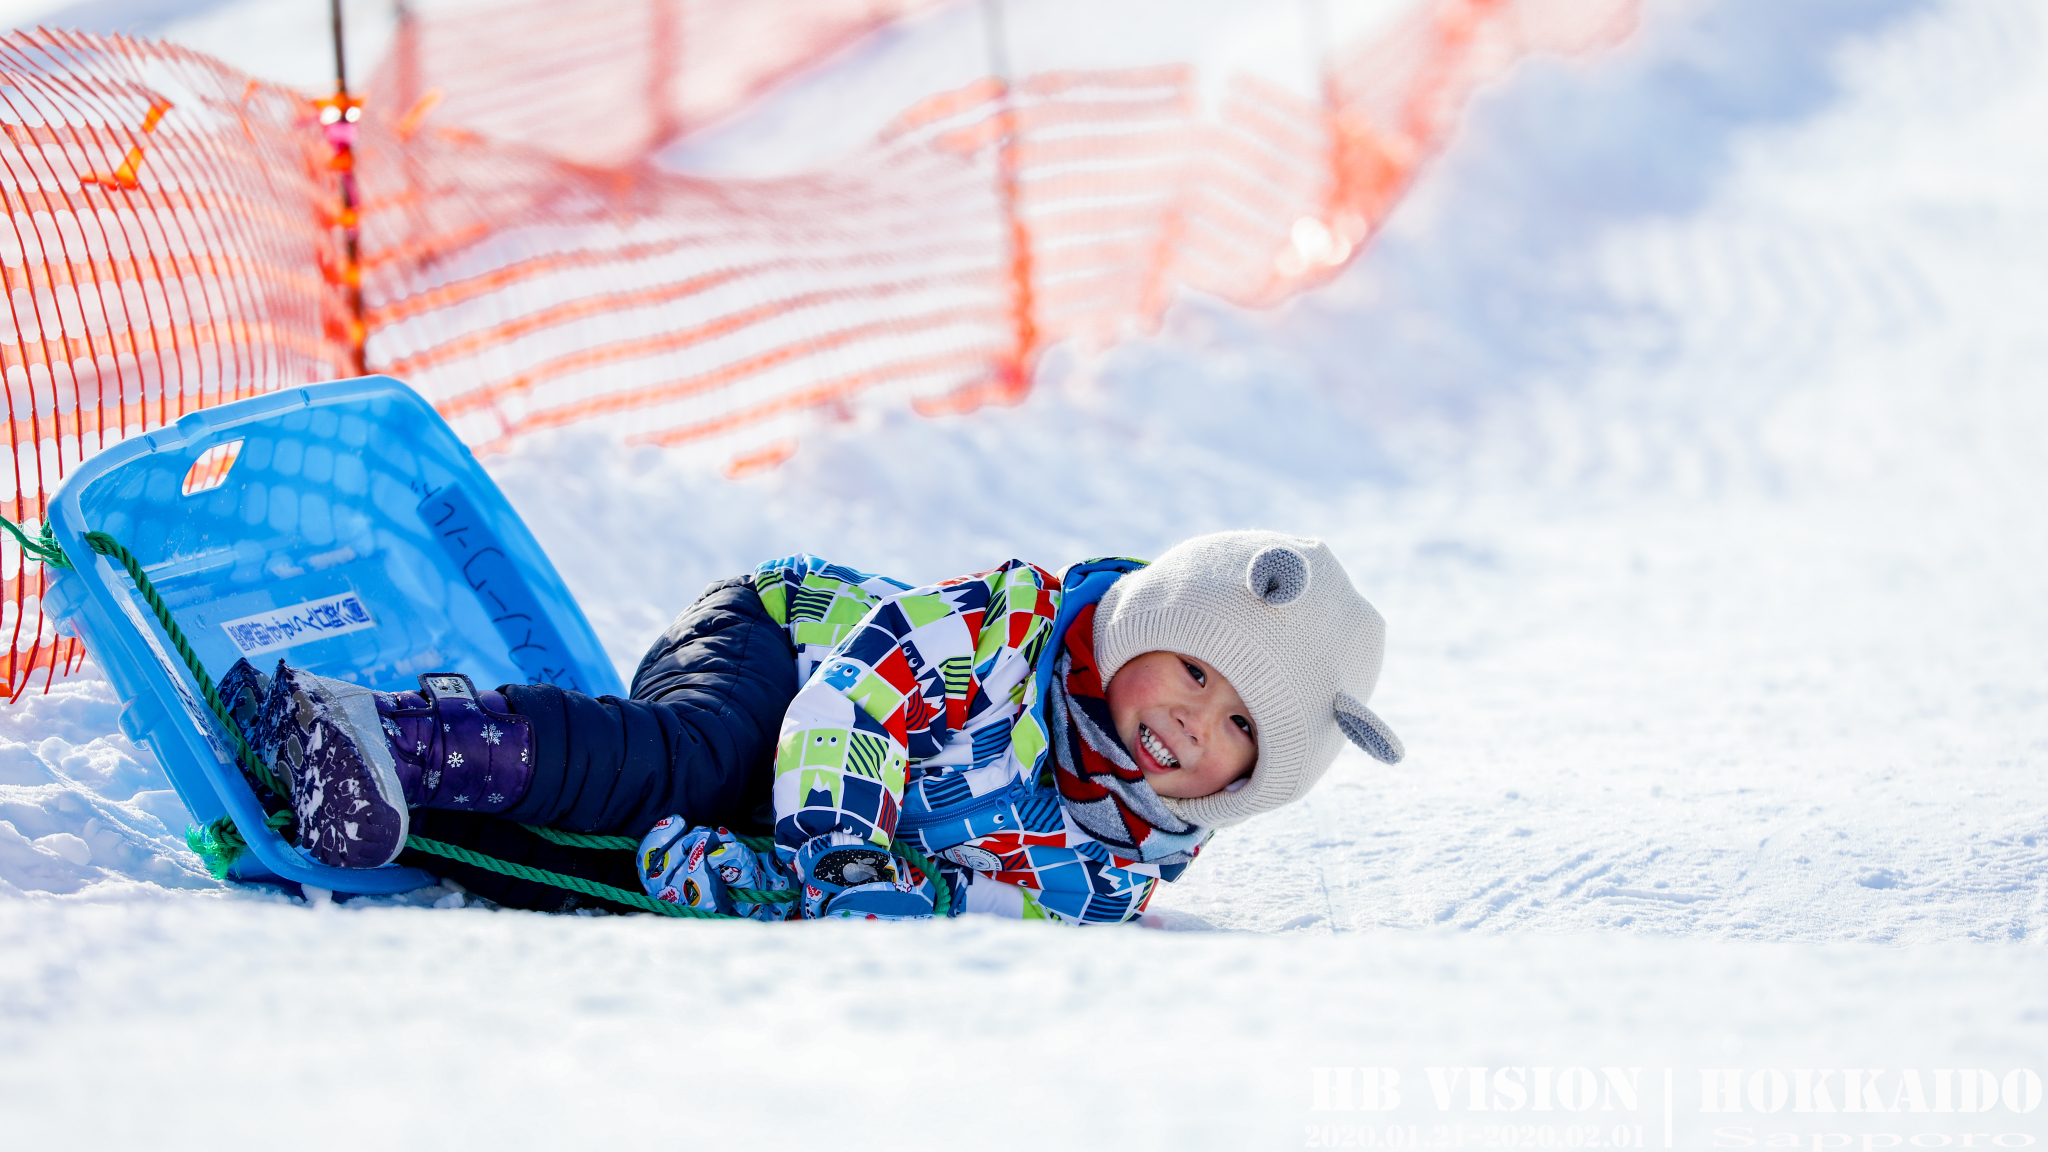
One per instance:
[(922, 717)]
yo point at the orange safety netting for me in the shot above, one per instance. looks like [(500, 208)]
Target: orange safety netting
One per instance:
[(177, 234), (604, 84), (167, 223)]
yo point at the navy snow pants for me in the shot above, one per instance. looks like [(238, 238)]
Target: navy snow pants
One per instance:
[(696, 737)]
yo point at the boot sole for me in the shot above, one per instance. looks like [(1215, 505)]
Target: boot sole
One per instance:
[(344, 784)]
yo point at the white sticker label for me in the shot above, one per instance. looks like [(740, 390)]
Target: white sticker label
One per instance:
[(299, 624)]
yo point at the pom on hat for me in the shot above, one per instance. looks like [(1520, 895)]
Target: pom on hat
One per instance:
[(1278, 617)]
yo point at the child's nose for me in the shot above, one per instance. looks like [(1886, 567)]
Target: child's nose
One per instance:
[(1197, 723)]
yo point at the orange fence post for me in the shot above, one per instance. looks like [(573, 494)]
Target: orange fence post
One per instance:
[(339, 116), (1014, 382)]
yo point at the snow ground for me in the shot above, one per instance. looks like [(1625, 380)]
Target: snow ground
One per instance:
[(1685, 427)]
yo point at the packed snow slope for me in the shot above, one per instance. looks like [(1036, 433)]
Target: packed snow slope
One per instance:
[(1685, 425)]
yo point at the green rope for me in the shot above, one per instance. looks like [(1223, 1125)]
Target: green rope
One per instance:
[(107, 546), (942, 904), (583, 839), (45, 551), (559, 880), (221, 842), (628, 844), (599, 840)]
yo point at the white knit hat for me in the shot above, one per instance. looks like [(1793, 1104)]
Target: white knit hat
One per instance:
[(1277, 615)]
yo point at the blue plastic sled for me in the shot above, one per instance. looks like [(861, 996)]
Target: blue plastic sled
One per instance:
[(341, 527)]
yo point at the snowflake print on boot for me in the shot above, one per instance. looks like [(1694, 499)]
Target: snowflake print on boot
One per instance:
[(459, 748)]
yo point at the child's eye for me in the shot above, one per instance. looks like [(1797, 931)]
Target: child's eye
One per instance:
[(1201, 681), (1243, 724)]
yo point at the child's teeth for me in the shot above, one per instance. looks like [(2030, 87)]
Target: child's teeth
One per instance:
[(1156, 747)]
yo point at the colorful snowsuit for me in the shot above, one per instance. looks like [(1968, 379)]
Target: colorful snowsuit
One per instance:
[(922, 716), (910, 713)]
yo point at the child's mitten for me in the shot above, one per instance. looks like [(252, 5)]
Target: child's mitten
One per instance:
[(899, 892), (699, 867)]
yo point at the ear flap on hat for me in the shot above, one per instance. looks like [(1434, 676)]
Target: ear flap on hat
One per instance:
[(1368, 731), (1277, 575)]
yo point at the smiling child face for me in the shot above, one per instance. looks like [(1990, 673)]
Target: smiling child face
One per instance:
[(1184, 724)]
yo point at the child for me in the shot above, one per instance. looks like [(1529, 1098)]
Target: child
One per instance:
[(1058, 745)]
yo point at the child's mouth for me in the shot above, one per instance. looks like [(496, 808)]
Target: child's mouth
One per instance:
[(1156, 747)]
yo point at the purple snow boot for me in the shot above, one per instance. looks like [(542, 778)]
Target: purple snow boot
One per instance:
[(244, 691), (355, 760), (327, 746)]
